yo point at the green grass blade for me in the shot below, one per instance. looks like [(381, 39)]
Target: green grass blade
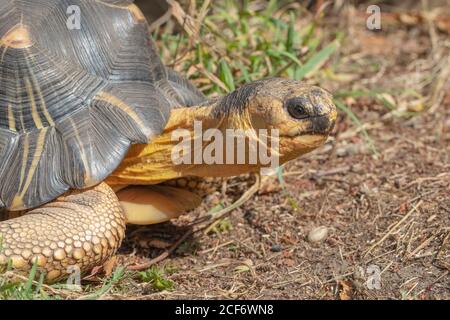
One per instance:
[(291, 35), (291, 200), (31, 277), (292, 58), (316, 61), (342, 106), (270, 9), (226, 75), (113, 280)]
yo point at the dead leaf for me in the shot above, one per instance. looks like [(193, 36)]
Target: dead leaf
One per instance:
[(269, 185), (288, 262), (247, 266), (345, 290), (443, 24), (93, 275), (403, 207)]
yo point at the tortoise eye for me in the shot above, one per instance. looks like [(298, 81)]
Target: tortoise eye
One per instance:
[(297, 108)]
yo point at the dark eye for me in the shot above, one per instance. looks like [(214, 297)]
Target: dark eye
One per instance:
[(297, 108)]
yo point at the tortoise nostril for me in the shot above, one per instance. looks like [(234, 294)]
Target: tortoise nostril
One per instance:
[(322, 125), (297, 108)]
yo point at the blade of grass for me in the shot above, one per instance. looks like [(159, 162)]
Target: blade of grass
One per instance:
[(317, 61), (291, 200), (291, 35), (31, 277), (291, 57), (226, 76), (114, 279), (342, 106), (270, 9)]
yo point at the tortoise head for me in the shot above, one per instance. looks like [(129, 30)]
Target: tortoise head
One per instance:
[(303, 115)]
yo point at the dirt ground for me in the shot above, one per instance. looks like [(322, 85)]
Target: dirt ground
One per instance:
[(390, 213), (359, 218), (386, 214)]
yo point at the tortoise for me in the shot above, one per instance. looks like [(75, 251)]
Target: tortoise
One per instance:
[(88, 117)]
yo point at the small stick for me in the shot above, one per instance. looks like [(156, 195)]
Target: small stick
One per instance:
[(216, 247), (162, 256), (391, 230), (224, 212), (161, 20), (420, 247)]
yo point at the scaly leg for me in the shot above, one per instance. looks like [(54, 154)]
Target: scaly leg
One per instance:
[(80, 230)]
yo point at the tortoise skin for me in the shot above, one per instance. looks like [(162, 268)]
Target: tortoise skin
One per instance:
[(73, 101)]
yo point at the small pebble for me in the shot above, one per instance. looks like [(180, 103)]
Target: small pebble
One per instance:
[(318, 234), (357, 168), (276, 248)]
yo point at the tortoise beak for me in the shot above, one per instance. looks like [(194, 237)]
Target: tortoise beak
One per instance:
[(322, 125)]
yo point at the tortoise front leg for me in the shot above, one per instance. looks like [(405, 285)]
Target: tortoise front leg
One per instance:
[(80, 230)]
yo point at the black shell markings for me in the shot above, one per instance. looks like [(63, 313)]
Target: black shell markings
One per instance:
[(72, 101)]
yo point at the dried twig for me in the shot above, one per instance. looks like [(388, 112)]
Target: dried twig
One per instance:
[(162, 256), (391, 230), (161, 20), (421, 246), (224, 212)]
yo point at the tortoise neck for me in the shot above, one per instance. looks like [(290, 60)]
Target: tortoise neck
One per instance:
[(187, 127), (187, 117)]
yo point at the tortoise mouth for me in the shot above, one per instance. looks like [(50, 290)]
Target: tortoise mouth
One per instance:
[(313, 125), (321, 125)]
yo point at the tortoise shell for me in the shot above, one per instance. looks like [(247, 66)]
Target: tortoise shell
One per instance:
[(73, 99)]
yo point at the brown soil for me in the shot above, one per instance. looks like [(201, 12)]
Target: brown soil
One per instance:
[(391, 212)]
